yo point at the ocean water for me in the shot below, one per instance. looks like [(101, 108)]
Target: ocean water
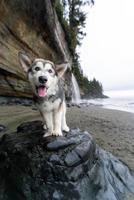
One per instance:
[(118, 100)]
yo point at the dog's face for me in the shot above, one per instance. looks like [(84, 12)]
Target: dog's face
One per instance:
[(42, 74)]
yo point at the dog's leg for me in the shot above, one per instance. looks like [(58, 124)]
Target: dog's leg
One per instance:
[(57, 117), (44, 122), (64, 124), (49, 122)]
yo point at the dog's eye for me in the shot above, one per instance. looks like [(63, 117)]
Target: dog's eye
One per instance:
[(50, 71), (37, 69)]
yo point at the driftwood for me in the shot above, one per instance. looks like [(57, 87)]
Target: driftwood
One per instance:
[(62, 168)]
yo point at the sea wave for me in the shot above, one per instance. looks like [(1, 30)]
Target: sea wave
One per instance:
[(118, 100)]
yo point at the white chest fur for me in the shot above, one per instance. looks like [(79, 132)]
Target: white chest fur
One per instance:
[(48, 106)]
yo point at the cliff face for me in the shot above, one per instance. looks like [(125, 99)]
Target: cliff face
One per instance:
[(30, 26)]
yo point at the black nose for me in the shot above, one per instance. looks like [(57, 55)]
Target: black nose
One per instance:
[(42, 79)]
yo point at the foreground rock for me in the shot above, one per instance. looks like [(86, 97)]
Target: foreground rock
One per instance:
[(2, 128), (63, 168)]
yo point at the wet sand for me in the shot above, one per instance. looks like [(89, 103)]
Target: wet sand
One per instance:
[(113, 130)]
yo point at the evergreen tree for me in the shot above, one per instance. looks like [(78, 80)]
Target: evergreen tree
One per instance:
[(76, 20), (73, 18), (95, 88)]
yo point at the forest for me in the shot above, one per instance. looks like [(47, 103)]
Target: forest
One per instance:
[(73, 20)]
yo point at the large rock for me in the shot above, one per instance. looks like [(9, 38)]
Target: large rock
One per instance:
[(2, 128), (71, 167), (31, 26)]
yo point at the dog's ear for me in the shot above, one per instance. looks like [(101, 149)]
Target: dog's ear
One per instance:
[(61, 69), (25, 61)]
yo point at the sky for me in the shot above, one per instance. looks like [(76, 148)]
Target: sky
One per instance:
[(107, 52)]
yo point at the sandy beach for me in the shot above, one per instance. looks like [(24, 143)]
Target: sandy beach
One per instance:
[(112, 130)]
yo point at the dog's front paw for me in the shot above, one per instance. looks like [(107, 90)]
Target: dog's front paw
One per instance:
[(47, 134), (66, 129), (44, 126), (57, 133)]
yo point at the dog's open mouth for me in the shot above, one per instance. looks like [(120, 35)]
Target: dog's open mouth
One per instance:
[(41, 90)]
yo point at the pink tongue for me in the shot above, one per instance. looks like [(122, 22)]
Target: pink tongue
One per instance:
[(42, 91)]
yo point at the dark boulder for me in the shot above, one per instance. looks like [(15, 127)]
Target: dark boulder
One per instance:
[(71, 167), (2, 128)]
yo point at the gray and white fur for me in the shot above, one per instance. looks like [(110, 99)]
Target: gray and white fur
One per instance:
[(47, 85)]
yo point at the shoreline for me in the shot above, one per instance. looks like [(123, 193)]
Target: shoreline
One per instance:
[(117, 109), (82, 102), (112, 130), (109, 105)]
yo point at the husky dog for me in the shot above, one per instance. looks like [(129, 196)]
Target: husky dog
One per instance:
[(47, 84)]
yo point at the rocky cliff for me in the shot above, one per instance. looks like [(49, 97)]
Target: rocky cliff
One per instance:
[(30, 26)]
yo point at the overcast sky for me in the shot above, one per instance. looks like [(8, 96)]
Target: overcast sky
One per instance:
[(107, 52)]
